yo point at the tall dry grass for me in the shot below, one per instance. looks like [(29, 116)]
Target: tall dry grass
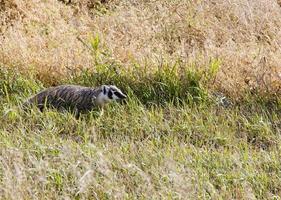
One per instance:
[(245, 35)]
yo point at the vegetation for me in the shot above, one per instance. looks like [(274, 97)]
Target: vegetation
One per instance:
[(172, 138)]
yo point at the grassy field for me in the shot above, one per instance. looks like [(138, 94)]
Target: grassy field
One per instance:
[(172, 138)]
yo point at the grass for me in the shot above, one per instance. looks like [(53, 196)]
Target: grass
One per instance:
[(171, 139), (243, 35), (147, 148)]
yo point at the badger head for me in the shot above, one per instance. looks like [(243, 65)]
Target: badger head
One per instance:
[(110, 93)]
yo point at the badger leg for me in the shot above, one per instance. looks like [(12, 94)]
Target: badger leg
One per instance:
[(76, 113), (41, 107)]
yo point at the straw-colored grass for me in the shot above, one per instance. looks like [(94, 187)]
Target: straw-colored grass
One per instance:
[(245, 35)]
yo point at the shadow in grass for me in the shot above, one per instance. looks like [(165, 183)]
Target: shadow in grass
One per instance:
[(159, 86)]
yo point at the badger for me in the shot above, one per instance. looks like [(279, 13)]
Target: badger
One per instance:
[(74, 98)]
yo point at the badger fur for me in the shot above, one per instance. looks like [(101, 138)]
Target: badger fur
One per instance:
[(75, 98)]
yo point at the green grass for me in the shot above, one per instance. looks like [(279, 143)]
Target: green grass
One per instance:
[(170, 140)]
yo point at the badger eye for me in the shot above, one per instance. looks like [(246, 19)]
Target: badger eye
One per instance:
[(118, 95), (104, 90)]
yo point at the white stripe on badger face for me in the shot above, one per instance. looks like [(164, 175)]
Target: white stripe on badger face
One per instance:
[(109, 94), (116, 93)]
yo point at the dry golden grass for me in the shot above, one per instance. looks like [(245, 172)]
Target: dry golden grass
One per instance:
[(244, 34)]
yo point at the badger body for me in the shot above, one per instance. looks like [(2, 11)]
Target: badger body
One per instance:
[(74, 98)]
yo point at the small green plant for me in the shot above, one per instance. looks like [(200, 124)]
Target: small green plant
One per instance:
[(214, 67)]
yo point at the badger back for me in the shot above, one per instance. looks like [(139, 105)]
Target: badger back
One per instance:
[(64, 96), (85, 99), (39, 99)]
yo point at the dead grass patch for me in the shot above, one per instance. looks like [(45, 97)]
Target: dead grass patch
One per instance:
[(244, 34)]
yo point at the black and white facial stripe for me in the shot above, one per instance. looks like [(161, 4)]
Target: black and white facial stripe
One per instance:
[(120, 95), (113, 93), (110, 94)]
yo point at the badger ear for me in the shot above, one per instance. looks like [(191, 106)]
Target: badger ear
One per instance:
[(104, 89)]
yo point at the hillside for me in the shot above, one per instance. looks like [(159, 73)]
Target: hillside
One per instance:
[(174, 138)]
